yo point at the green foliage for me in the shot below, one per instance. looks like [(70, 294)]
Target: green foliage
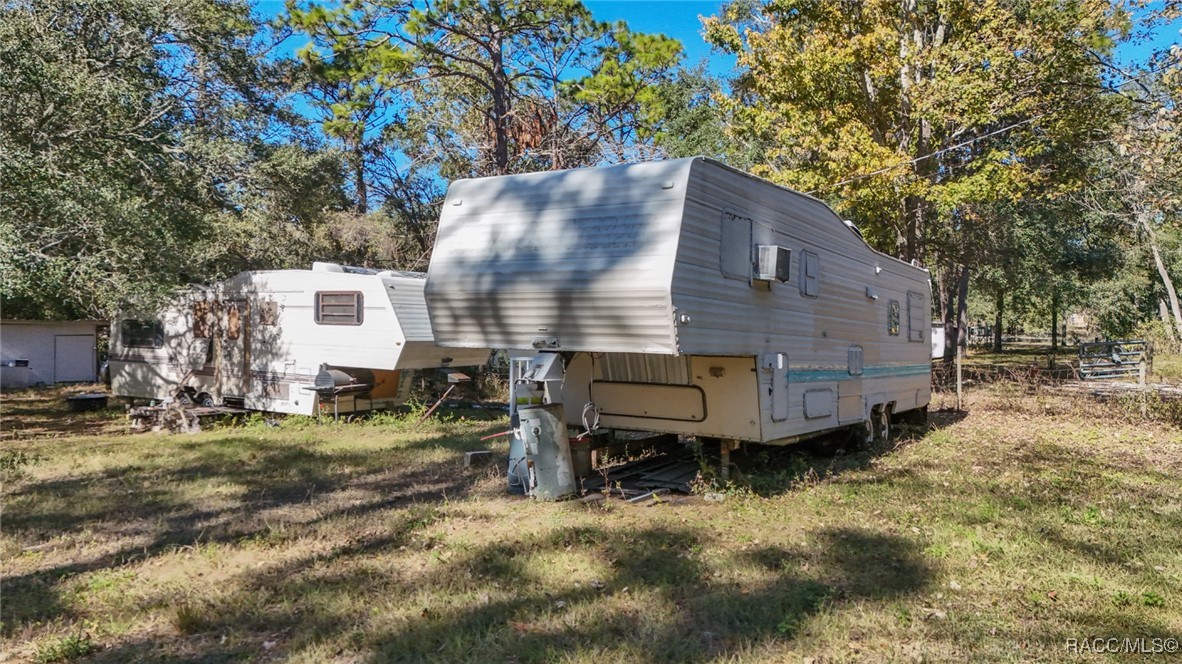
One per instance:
[(65, 649), (128, 124), (13, 464), (693, 123), (890, 109), (471, 88)]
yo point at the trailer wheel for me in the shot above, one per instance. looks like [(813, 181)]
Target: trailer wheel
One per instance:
[(205, 399), (860, 436)]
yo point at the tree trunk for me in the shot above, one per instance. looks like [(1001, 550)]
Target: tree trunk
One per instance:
[(500, 110), (1164, 312), (358, 165), (997, 319), (1143, 219), (956, 287)]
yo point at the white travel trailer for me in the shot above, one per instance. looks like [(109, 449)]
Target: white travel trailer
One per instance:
[(333, 338), (684, 297)]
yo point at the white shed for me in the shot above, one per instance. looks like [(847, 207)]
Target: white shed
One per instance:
[(45, 352)]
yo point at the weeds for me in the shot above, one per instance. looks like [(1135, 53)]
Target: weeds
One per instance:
[(66, 648), (14, 462)]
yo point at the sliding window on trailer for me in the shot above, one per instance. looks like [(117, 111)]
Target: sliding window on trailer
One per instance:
[(142, 334)]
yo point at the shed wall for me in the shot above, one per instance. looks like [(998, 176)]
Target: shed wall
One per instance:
[(36, 341)]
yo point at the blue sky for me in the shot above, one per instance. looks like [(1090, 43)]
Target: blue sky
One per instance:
[(673, 18), (679, 19)]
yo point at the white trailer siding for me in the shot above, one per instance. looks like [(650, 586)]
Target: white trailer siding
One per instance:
[(374, 344), (420, 350), (570, 255), (729, 314), (656, 259), (290, 324)]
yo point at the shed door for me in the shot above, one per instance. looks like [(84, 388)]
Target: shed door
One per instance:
[(73, 358), (776, 365)]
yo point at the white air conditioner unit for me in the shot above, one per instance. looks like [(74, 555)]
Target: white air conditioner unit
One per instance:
[(772, 262)]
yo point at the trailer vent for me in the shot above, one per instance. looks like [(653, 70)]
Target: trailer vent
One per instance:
[(643, 368), (855, 360)]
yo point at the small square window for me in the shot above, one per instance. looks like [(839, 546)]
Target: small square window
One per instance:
[(339, 308)]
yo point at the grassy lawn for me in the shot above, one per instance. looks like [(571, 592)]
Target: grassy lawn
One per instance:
[(995, 536)]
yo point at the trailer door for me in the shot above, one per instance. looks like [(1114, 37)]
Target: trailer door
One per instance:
[(234, 360), (775, 369)]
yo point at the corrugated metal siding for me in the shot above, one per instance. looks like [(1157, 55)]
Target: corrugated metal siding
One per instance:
[(584, 256), (641, 368), (406, 294)]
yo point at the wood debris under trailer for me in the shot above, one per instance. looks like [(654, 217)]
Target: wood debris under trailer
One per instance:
[(673, 471), (176, 418)]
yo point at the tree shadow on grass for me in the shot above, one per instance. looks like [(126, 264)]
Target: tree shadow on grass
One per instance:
[(774, 470), (709, 614), (687, 609), (150, 510)]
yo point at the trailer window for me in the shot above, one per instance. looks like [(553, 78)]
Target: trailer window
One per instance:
[(734, 259), (893, 318), (142, 333), (233, 320), (810, 274), (339, 308), (917, 314)]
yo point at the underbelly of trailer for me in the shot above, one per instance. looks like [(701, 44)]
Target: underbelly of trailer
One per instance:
[(756, 399)]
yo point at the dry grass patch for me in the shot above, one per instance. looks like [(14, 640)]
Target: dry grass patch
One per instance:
[(44, 412), (994, 536)]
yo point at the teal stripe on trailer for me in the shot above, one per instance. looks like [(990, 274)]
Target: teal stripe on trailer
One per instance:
[(830, 375)]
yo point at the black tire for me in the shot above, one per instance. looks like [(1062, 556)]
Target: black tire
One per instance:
[(860, 436), (205, 399)]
